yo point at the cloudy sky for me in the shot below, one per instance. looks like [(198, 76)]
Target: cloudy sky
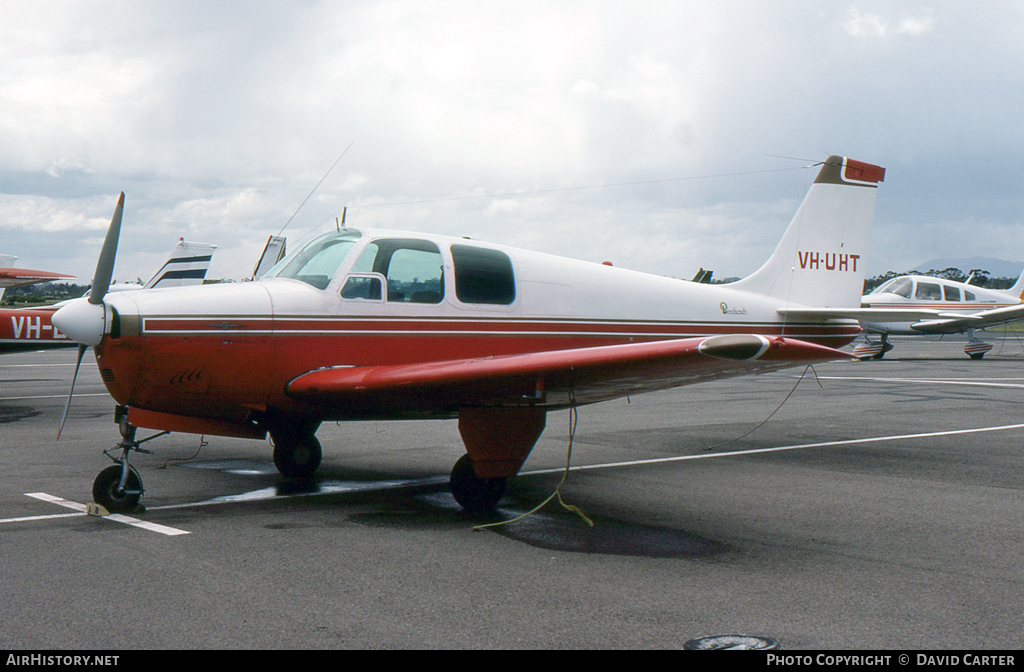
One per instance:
[(649, 133)]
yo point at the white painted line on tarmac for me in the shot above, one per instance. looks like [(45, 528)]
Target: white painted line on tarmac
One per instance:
[(991, 382), (116, 517), (778, 449), (55, 396)]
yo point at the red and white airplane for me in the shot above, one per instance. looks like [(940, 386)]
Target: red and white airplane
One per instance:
[(923, 305), (28, 329), (368, 324)]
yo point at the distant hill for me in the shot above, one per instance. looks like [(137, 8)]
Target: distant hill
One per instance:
[(997, 268)]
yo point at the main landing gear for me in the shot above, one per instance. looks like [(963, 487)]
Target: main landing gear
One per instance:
[(871, 350), (975, 349), (297, 452), (498, 441), (475, 494)]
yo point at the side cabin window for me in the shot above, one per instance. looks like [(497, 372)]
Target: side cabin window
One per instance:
[(969, 295), (952, 293), (483, 276), (366, 286), (412, 270), (928, 291)]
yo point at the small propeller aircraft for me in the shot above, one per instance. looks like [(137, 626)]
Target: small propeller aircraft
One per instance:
[(372, 324), (28, 329), (921, 305)]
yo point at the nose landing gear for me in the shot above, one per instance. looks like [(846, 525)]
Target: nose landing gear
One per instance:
[(118, 488)]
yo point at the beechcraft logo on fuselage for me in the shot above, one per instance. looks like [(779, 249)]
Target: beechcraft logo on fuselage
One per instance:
[(828, 261)]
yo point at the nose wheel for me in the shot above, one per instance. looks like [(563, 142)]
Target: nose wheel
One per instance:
[(118, 488)]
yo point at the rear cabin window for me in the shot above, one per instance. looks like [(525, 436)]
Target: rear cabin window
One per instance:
[(483, 276), (413, 269), (952, 293)]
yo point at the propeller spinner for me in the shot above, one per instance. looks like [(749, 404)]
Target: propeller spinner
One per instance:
[(83, 320)]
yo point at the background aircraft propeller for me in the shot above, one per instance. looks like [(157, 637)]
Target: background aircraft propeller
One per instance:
[(82, 320)]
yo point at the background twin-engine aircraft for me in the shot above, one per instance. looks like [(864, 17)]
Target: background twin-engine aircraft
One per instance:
[(27, 329), (361, 324)]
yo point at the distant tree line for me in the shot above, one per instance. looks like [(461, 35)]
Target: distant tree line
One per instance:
[(42, 294), (978, 277)]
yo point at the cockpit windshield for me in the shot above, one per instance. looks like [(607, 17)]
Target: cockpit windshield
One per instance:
[(316, 262), (900, 286), (884, 287)]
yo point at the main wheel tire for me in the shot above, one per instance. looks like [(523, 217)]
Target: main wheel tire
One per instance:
[(297, 456), (977, 355), (105, 489), (475, 494)]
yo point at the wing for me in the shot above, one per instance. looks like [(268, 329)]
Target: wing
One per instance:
[(15, 277), (553, 379), (921, 319), (979, 320)]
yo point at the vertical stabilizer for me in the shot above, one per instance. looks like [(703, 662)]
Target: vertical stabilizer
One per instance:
[(821, 258), (273, 252), (187, 265), (6, 261), (1017, 290)]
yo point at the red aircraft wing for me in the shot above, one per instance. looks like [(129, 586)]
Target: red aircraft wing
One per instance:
[(14, 277), (554, 378)]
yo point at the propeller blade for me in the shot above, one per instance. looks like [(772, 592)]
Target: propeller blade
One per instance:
[(67, 406), (105, 265)]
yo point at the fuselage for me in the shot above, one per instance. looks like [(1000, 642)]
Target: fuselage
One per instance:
[(364, 298), (948, 296)]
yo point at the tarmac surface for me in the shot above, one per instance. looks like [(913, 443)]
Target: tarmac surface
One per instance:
[(881, 507)]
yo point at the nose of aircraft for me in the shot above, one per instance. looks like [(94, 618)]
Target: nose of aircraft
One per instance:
[(81, 321)]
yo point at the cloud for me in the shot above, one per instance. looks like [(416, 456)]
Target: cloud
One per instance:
[(866, 24), (217, 123)]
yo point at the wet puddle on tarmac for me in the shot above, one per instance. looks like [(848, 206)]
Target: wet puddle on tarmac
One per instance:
[(16, 413), (550, 532)]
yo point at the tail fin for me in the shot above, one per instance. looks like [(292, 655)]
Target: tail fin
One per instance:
[(1017, 290), (187, 265), (820, 260), (273, 252), (6, 261)]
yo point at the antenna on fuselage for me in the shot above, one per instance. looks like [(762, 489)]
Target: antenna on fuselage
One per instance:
[(314, 189), (341, 225)]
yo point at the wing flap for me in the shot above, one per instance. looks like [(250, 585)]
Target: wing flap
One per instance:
[(559, 377)]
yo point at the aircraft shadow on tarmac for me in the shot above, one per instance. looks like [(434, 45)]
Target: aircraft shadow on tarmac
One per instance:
[(425, 503)]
